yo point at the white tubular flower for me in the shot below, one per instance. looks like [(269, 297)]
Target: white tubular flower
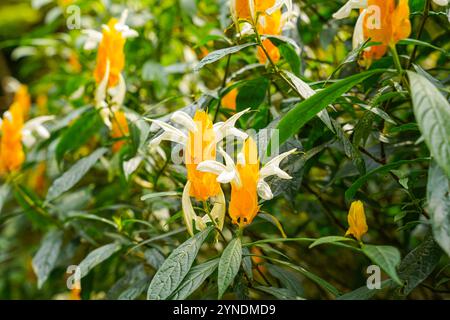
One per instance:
[(94, 37), (345, 11), (190, 217), (247, 180), (34, 128), (230, 173), (227, 128), (199, 138), (358, 32)]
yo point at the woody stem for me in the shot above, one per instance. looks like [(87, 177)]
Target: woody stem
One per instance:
[(426, 13)]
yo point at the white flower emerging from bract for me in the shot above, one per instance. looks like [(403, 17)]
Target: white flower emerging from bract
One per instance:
[(181, 136), (228, 173), (117, 93), (345, 11), (34, 128), (94, 37), (221, 129)]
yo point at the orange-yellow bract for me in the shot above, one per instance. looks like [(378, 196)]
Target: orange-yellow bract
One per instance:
[(201, 146), (229, 100), (11, 150), (22, 97), (357, 220), (119, 130), (387, 22), (243, 11), (244, 196), (270, 25), (110, 49)]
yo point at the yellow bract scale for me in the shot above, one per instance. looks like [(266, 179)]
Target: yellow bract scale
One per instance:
[(244, 197), (110, 49), (201, 146), (271, 25), (11, 150), (357, 220)]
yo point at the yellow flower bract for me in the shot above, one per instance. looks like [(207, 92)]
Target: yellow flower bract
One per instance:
[(393, 25), (201, 146), (110, 49), (244, 197), (357, 220)]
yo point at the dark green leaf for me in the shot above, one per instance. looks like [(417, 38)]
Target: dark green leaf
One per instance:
[(72, 176), (432, 112), (229, 264), (176, 267)]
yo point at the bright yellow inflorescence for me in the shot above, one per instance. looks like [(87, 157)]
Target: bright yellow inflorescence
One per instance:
[(357, 220), (244, 197), (387, 22), (201, 146), (110, 49)]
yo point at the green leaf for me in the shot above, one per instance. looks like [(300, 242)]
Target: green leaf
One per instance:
[(45, 259), (422, 44), (279, 293), (419, 264), (229, 264), (78, 133), (176, 267), (96, 257), (219, 54), (252, 94), (273, 220), (350, 193), (72, 176), (247, 263), (330, 239), (196, 276), (287, 278), (438, 197), (311, 276), (296, 118), (291, 56), (386, 257), (432, 112), (364, 293), (134, 291)]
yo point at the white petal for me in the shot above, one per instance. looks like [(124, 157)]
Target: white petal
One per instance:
[(100, 93), (358, 33), (231, 171), (28, 139), (264, 190), (93, 38), (227, 176), (174, 132), (273, 166), (105, 113), (168, 136), (8, 116), (221, 129), (188, 210), (345, 11), (43, 132), (211, 166), (184, 120), (119, 91)]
